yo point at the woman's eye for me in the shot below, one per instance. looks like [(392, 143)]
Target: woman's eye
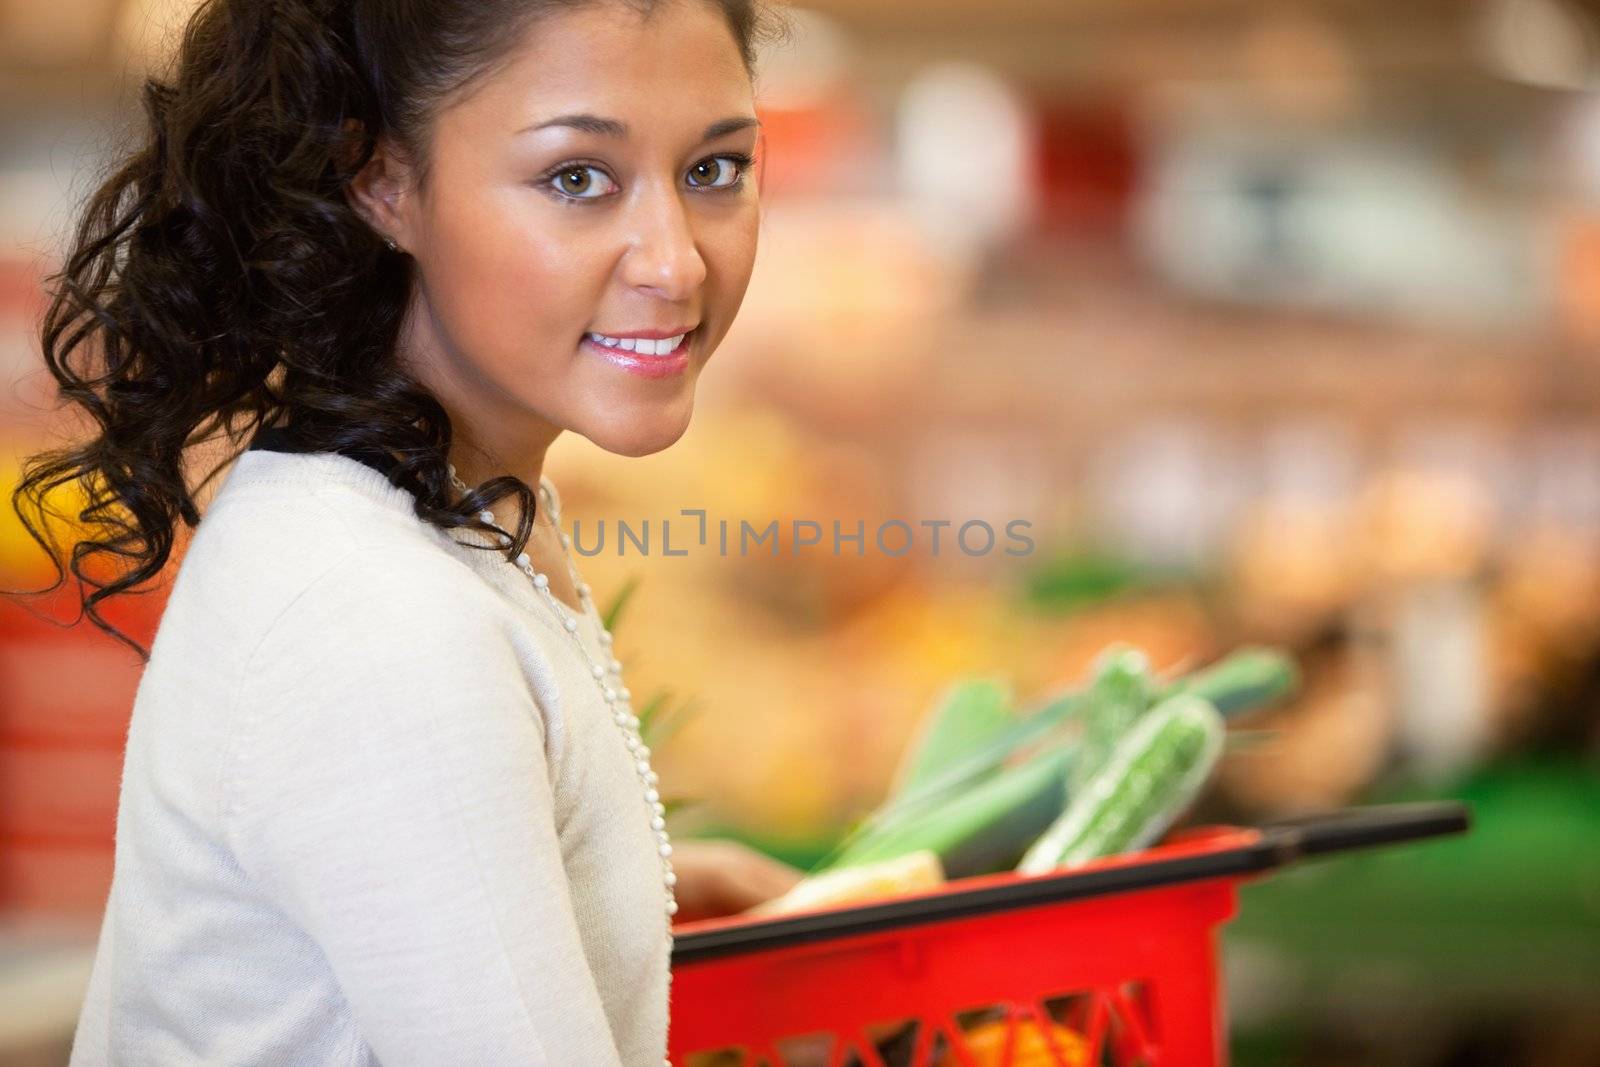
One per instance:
[(576, 182), (586, 181), (713, 173)]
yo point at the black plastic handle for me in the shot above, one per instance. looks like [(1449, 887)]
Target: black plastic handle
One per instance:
[(1382, 824)]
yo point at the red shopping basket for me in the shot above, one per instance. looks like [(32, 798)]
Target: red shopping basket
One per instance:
[(1115, 961)]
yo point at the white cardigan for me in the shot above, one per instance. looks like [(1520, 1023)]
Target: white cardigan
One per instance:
[(373, 807)]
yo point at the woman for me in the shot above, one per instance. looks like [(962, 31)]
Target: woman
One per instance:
[(385, 799)]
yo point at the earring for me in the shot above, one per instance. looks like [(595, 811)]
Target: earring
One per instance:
[(392, 246)]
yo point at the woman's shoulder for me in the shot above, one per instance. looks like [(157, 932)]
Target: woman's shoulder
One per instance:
[(286, 528), (402, 636)]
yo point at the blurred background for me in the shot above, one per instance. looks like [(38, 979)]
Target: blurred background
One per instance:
[(1275, 322)]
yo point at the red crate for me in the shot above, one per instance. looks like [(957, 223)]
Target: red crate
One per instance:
[(1123, 951)]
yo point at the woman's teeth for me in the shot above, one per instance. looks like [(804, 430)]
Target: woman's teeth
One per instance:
[(644, 346)]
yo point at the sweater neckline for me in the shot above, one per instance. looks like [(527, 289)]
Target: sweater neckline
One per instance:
[(287, 467), (367, 470)]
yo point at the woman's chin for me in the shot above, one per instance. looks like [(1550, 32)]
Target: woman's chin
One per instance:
[(647, 433)]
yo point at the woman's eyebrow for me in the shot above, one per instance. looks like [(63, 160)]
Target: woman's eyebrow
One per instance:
[(613, 128)]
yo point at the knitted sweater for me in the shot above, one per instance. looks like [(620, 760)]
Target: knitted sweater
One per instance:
[(373, 806)]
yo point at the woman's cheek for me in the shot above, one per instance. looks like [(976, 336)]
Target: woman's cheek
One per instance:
[(736, 257), (517, 285)]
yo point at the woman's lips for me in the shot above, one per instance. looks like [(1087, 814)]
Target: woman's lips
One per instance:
[(645, 366)]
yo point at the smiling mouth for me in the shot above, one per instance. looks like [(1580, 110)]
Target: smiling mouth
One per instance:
[(647, 357), (644, 347)]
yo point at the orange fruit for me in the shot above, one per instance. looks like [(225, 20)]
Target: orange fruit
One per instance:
[(987, 1043)]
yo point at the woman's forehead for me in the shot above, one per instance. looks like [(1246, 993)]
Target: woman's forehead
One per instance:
[(611, 61)]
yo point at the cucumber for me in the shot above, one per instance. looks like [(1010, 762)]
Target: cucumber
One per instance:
[(1154, 773), (1122, 690)]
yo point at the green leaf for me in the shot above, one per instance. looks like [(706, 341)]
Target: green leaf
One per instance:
[(652, 708), (1248, 679), (676, 804), (980, 830), (620, 601), (660, 719), (671, 721), (967, 714)]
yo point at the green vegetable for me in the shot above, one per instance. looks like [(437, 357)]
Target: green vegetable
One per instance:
[(1245, 680), (1153, 775), (968, 713), (1018, 741), (1122, 690), (1248, 679), (1238, 683), (980, 830)]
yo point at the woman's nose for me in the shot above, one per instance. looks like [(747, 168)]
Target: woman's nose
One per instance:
[(664, 257)]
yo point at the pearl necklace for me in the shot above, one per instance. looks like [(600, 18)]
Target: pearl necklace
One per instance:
[(615, 696)]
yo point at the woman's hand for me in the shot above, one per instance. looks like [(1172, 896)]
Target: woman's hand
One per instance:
[(717, 878)]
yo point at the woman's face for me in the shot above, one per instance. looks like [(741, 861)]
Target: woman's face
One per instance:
[(591, 185)]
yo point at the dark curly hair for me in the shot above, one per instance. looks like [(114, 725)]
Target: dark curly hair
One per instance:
[(219, 281)]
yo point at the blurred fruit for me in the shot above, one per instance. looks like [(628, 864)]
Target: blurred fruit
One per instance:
[(987, 1043), (20, 555), (1424, 524), (1293, 567)]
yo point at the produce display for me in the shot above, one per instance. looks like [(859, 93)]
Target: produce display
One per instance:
[(1094, 771)]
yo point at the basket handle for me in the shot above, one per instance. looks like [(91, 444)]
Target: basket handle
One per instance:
[(1365, 827)]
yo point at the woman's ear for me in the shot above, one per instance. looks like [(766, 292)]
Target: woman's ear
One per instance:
[(380, 192)]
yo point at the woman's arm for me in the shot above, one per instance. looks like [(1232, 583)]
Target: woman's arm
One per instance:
[(390, 793)]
